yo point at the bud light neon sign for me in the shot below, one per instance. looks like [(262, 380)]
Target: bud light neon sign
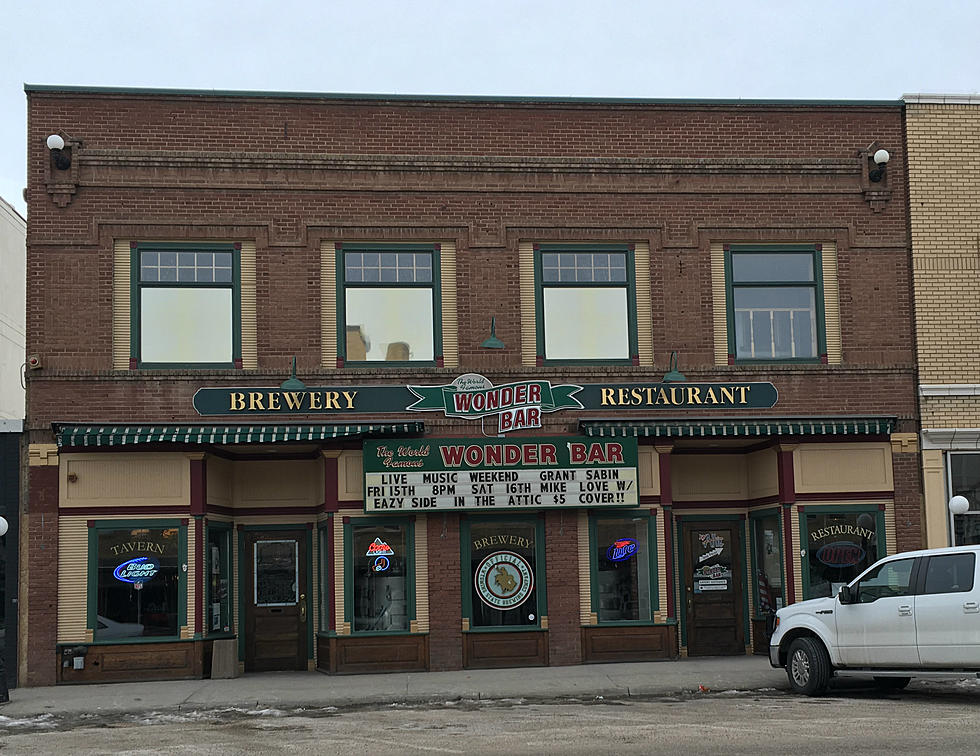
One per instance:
[(621, 550), (137, 570), (840, 554)]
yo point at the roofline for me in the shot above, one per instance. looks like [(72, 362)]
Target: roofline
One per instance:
[(462, 99), (942, 99)]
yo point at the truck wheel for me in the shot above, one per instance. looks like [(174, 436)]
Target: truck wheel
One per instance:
[(808, 667), (892, 683)]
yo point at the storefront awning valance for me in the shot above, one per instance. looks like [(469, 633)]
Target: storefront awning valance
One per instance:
[(741, 428), (128, 435)]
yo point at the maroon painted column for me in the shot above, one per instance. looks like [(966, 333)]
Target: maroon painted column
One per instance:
[(787, 498), (666, 503)]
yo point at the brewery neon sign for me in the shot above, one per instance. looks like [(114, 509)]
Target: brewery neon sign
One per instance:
[(621, 550), (137, 570)]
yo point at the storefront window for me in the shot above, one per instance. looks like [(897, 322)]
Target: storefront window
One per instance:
[(503, 580), (622, 552), (964, 477), (138, 581), (219, 576), (767, 545), (382, 568), (839, 546)]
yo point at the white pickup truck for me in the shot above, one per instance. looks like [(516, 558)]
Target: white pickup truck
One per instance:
[(914, 614)]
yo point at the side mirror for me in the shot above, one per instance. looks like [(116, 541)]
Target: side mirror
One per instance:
[(845, 595)]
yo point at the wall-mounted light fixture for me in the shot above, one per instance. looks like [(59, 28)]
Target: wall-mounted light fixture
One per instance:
[(492, 342), (673, 375), (959, 505), (880, 158), (61, 156)]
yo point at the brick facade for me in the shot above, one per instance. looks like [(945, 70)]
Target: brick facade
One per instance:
[(295, 173)]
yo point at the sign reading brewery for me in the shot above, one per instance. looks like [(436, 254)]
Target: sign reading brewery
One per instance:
[(496, 473), (518, 405)]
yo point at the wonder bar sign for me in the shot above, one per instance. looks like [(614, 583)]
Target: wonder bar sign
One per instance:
[(490, 474)]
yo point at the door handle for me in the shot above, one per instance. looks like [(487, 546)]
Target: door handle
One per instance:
[(905, 610), (302, 607), (971, 607)]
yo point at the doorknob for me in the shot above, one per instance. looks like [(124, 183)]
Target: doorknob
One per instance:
[(302, 607)]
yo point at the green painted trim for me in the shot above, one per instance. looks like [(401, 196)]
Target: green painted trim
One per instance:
[(507, 629), (435, 286), (807, 509), (746, 625), (349, 526), (630, 285), (540, 568), (92, 587), (818, 297), (225, 528), (310, 619), (514, 99), (652, 567), (137, 641), (136, 286), (754, 519), (241, 593), (323, 529)]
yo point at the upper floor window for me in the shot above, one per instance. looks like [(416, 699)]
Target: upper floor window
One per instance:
[(186, 305), (585, 299), (775, 303), (389, 304)]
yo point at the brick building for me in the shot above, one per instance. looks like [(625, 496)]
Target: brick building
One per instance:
[(943, 142), (389, 383)]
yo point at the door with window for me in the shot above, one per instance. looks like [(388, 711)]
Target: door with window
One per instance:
[(276, 600), (713, 589), (947, 611)]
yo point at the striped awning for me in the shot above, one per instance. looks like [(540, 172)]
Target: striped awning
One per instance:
[(730, 427), (128, 435)]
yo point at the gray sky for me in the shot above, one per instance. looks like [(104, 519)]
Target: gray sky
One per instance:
[(820, 49)]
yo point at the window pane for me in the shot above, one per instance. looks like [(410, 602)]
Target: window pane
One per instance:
[(839, 547), (138, 578), (380, 574), (276, 574), (586, 323), (503, 581), (623, 569), (219, 577), (891, 579), (392, 325), (775, 322), (773, 266), (768, 563), (186, 325), (950, 574)]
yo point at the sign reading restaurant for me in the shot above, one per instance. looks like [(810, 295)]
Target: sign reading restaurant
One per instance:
[(518, 405), (496, 473)]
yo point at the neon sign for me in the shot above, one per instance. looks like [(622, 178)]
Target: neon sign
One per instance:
[(381, 564), (621, 550), (840, 554), (379, 548), (137, 570)]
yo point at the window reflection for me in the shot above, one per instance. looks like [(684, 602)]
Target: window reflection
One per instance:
[(622, 569)]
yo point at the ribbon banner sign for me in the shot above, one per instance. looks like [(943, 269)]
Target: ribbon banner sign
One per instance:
[(517, 405), (497, 474)]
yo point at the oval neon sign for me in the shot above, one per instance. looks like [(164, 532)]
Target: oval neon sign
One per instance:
[(840, 554), (621, 550), (137, 570)]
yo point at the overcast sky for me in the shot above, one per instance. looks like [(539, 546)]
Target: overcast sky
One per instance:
[(749, 49)]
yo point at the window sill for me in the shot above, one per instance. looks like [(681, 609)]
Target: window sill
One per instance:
[(135, 641), (517, 629)]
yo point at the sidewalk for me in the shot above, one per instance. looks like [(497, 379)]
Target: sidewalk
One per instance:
[(315, 690)]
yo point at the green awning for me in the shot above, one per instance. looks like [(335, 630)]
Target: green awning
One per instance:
[(730, 427), (128, 435)]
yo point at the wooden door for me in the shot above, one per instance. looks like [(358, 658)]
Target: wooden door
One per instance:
[(276, 600), (713, 589)]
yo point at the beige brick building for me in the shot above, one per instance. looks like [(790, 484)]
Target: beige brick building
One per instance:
[(943, 142)]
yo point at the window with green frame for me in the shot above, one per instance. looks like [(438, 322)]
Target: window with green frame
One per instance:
[(624, 566), (502, 563), (585, 300), (775, 303), (380, 575), (137, 586), (389, 303), (218, 580), (186, 305), (767, 554)]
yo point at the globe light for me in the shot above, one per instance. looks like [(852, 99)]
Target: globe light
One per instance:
[(959, 505)]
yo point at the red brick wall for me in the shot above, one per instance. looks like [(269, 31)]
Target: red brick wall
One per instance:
[(42, 578), (445, 602), (561, 558)]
